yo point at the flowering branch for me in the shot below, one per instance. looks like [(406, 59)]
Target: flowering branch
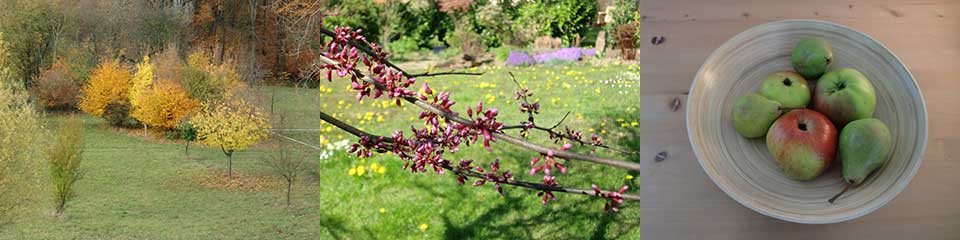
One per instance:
[(466, 171), (532, 109)]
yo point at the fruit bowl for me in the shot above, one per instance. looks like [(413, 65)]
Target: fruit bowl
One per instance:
[(746, 171)]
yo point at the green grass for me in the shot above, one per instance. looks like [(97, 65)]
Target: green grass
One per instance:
[(135, 188), (138, 189), (350, 204)]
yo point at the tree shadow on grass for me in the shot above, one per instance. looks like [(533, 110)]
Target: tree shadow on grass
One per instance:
[(335, 226), (512, 218), (624, 138)]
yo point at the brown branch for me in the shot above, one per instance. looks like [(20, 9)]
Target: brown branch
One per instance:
[(429, 74), (537, 186), (366, 50)]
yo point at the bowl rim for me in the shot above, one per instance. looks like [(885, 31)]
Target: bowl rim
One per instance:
[(884, 198)]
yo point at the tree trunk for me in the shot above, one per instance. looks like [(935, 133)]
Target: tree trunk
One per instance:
[(230, 164), (186, 149), (61, 205), (289, 184)]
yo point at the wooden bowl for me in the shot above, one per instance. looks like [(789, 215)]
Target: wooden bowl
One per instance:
[(745, 170)]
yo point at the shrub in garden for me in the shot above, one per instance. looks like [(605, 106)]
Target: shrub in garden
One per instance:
[(141, 82), (20, 134), (109, 83), (186, 131), (565, 19), (565, 55), (54, 88), (626, 38), (230, 125), (519, 59), (117, 113), (623, 12), (65, 158), (205, 81), (164, 105)]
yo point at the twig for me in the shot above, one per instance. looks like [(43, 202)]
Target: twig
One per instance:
[(524, 97), (561, 121), (539, 186), (429, 74), (370, 52)]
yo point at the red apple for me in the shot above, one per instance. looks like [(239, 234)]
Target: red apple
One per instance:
[(803, 142)]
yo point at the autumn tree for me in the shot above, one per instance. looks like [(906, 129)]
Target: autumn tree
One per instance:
[(141, 82), (231, 125), (164, 105), (64, 161), (109, 83), (206, 81)]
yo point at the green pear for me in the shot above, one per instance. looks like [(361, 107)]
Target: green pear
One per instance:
[(844, 95), (786, 87), (864, 146), (753, 114), (812, 57)]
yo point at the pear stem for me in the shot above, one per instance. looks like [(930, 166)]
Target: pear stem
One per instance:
[(834, 198)]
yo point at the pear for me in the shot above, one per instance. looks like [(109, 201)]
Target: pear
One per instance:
[(864, 147), (811, 57), (753, 114)]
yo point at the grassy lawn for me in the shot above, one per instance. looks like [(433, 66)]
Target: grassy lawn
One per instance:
[(140, 189), (602, 100), (146, 188)]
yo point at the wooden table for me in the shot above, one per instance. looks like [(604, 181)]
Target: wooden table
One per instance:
[(678, 200)]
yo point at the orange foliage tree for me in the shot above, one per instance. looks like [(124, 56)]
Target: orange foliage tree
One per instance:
[(109, 83), (165, 104)]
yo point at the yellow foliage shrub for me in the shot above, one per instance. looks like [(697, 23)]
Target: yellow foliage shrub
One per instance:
[(207, 81), (165, 105), (109, 83), (232, 124), (141, 82)]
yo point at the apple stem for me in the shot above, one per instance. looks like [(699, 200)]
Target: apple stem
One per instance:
[(834, 198)]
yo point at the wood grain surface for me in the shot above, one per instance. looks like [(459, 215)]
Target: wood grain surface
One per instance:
[(678, 200)]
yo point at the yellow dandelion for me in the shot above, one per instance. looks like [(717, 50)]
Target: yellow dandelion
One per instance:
[(383, 210), (382, 170), (634, 123), (423, 227), (353, 171), (629, 177), (361, 170)]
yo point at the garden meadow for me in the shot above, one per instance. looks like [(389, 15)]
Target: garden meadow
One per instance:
[(297, 119)]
